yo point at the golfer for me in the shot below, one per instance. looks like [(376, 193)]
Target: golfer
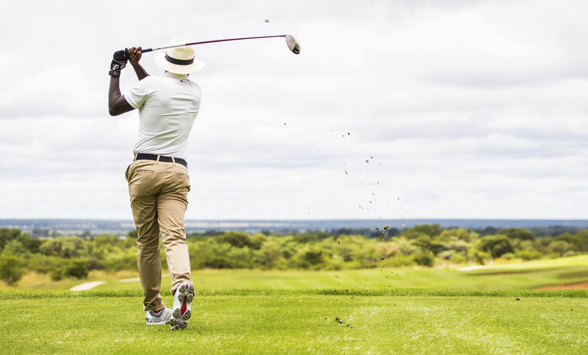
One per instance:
[(158, 177)]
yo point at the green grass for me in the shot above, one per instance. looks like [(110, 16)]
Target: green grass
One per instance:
[(519, 276), (300, 322), (538, 265), (35, 281), (412, 311), (368, 279)]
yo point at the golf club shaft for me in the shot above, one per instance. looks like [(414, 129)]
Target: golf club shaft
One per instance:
[(205, 42)]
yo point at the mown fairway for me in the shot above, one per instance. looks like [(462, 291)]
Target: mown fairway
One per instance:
[(301, 322), (409, 312)]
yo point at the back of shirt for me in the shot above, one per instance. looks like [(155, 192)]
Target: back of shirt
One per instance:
[(167, 108)]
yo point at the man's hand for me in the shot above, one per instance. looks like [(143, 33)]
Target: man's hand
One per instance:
[(135, 55), (119, 62)]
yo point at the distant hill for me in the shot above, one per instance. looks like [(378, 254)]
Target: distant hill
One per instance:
[(78, 226)]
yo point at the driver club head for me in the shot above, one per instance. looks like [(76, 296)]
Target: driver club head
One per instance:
[(293, 44)]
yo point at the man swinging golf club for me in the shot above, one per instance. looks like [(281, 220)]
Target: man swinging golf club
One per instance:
[(158, 177)]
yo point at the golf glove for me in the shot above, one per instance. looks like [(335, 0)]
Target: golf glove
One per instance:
[(119, 62)]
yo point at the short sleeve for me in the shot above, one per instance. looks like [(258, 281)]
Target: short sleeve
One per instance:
[(138, 94)]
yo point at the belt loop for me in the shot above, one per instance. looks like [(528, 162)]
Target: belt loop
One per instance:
[(135, 156), (158, 158), (173, 160)]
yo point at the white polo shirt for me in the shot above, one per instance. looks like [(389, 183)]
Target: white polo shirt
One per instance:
[(167, 108)]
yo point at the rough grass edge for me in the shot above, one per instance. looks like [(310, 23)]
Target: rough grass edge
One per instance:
[(12, 295)]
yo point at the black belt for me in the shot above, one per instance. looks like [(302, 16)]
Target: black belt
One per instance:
[(143, 156)]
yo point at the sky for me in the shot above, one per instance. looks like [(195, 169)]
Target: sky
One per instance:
[(393, 109)]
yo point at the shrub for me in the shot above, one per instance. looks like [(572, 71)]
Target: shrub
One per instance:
[(11, 270), (44, 264), (6, 235), (496, 245), (268, 254), (430, 230), (518, 233), (424, 259), (257, 241), (447, 254), (65, 247), (559, 247), (529, 254), (236, 239), (77, 268), (313, 257), (580, 241), (212, 254), (481, 257), (32, 244), (457, 234), (14, 247), (58, 273), (508, 256), (458, 259)]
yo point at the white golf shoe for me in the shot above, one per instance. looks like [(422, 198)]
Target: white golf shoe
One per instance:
[(164, 317), (182, 300)]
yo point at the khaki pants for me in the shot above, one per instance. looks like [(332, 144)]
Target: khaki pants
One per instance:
[(159, 198)]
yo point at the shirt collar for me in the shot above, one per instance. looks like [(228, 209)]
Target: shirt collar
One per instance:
[(177, 76)]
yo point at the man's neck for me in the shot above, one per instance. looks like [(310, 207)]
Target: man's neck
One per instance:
[(174, 75)]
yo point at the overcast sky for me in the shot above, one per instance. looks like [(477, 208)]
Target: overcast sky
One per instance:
[(464, 109)]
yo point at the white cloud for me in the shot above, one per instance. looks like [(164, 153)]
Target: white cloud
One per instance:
[(468, 108)]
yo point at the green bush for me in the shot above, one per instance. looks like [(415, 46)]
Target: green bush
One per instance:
[(430, 230), (518, 233), (481, 257), (11, 269), (58, 273), (236, 239), (209, 253), (508, 256), (75, 257), (44, 264), (257, 240), (30, 243), (14, 247), (496, 245), (77, 268), (64, 247), (268, 254), (6, 235), (529, 254), (447, 254), (458, 259), (424, 259)]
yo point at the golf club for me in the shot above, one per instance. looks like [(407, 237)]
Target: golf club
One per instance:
[(293, 45)]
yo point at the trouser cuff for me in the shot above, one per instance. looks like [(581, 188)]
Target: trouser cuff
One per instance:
[(154, 308)]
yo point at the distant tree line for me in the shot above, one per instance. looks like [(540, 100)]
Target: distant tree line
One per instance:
[(424, 245)]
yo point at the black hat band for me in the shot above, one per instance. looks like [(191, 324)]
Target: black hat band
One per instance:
[(179, 61)]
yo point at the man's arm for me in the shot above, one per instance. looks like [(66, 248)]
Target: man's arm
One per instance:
[(139, 70), (135, 56), (117, 104)]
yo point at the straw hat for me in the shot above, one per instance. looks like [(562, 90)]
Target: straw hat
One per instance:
[(179, 60)]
